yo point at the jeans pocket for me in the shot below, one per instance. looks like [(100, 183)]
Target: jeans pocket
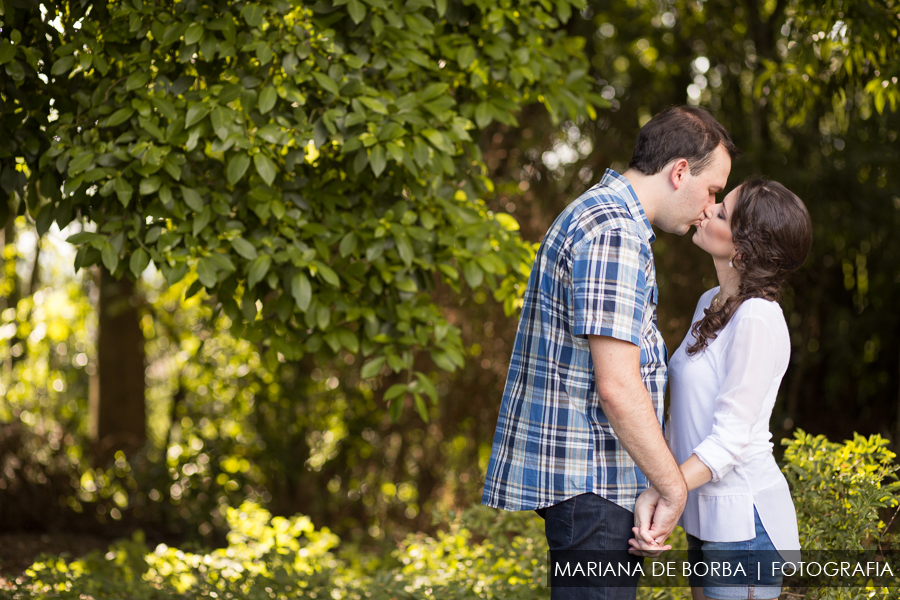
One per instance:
[(559, 524)]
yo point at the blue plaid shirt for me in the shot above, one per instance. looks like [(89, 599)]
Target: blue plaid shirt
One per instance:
[(593, 275)]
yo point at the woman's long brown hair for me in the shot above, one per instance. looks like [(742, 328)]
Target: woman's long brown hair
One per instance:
[(772, 234)]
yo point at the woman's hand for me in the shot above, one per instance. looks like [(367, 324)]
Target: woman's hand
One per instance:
[(644, 542)]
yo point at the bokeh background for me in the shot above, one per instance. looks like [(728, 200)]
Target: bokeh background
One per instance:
[(225, 422)]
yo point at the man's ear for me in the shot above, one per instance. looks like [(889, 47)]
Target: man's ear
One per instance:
[(678, 172)]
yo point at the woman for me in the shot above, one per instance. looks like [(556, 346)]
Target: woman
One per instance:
[(724, 379)]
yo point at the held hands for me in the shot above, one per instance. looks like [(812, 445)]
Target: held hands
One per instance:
[(655, 517)]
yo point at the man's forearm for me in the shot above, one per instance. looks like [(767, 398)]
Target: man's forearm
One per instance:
[(631, 415), (629, 409)]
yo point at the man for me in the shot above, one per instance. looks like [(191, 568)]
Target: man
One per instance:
[(579, 433)]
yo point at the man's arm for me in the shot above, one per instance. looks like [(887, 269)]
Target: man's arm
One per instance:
[(627, 404)]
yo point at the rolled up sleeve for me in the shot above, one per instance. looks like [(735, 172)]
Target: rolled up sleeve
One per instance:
[(750, 367)]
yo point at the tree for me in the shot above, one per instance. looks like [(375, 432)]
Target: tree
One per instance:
[(834, 51), (312, 166)]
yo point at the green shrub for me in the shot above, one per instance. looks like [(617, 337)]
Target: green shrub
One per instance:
[(840, 491)]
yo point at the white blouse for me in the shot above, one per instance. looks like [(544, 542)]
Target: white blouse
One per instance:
[(721, 401)]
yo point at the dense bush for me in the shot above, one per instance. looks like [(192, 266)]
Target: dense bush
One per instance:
[(839, 489)]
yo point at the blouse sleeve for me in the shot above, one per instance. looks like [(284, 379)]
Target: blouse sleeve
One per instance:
[(750, 363)]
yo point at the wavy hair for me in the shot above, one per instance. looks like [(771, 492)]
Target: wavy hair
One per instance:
[(772, 234)]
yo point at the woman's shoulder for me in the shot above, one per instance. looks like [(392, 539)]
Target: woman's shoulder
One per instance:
[(760, 309)]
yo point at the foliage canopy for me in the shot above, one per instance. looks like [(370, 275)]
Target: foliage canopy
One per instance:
[(312, 166)]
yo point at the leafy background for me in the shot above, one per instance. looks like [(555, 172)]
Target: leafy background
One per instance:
[(300, 231)]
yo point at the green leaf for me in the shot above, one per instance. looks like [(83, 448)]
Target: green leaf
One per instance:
[(120, 116), (507, 221), (82, 237), (442, 360), (244, 248), (110, 257), (192, 198), (395, 391), (196, 113), (62, 65), (81, 162), (353, 61), (483, 116), (165, 196), (357, 11), (139, 261), (374, 105), (267, 99), (328, 274), (323, 316), (406, 284), (438, 140), (465, 56), (150, 185), (428, 386), (136, 80), (396, 409), (221, 118), (377, 159), (206, 272), (193, 33), (372, 368), (433, 91), (201, 221), (348, 244), (258, 269), (253, 15), (301, 290), (7, 52), (123, 190), (421, 408), (474, 274), (326, 82), (360, 160), (165, 108), (564, 11), (404, 248), (265, 167), (237, 166), (348, 340)]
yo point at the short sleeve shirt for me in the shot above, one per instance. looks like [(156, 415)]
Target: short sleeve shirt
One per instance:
[(593, 275)]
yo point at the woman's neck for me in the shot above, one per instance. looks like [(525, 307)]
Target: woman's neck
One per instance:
[(729, 280)]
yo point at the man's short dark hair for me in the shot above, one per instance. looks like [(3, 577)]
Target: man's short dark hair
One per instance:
[(680, 132)]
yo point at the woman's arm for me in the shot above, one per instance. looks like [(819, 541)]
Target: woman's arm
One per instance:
[(751, 366), (695, 472)]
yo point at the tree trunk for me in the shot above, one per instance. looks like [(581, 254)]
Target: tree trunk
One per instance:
[(117, 416), (13, 292)]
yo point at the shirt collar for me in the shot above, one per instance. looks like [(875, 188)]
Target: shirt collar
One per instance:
[(625, 193)]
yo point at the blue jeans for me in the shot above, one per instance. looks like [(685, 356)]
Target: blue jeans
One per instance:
[(749, 564), (589, 523)]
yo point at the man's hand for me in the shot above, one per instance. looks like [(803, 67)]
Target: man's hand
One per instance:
[(653, 524)]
